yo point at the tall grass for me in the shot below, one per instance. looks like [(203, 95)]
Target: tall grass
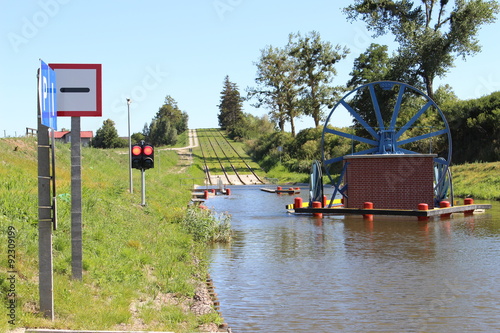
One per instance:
[(477, 180), (131, 254), (207, 226)]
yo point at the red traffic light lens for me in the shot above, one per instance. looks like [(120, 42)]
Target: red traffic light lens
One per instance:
[(147, 150), (136, 150)]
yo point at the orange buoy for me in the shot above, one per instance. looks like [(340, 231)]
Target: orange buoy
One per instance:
[(324, 200), (468, 201), (297, 202), (368, 205), (317, 204), (279, 188), (423, 206), (445, 204)]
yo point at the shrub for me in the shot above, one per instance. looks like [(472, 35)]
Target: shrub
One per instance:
[(206, 226)]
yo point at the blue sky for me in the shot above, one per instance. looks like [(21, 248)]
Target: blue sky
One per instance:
[(149, 49)]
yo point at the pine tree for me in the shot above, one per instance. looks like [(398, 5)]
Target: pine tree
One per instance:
[(231, 106)]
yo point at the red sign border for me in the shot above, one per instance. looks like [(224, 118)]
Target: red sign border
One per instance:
[(98, 68)]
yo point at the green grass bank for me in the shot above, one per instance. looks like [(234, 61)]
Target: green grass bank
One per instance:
[(477, 180), (141, 265)]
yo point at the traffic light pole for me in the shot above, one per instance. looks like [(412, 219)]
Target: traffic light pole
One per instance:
[(143, 192)]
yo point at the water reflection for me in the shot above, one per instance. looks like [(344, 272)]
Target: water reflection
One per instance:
[(286, 273)]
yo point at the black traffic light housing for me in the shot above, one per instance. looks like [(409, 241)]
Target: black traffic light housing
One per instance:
[(143, 156), (148, 157)]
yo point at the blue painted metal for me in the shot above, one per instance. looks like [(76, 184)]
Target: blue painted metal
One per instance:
[(337, 186), (316, 183), (387, 139), (360, 119)]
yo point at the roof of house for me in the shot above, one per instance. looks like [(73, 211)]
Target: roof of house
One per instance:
[(60, 135), (83, 134)]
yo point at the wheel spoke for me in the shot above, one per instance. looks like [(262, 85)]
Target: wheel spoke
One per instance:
[(376, 107), (422, 137), (351, 136), (338, 159), (334, 160), (397, 107), (361, 120), (413, 119)]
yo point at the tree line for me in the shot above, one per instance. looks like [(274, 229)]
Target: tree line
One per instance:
[(166, 125)]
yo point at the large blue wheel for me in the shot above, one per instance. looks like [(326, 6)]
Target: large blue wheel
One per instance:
[(388, 117)]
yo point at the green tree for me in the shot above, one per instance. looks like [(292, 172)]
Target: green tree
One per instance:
[(231, 106), (277, 88), (475, 130), (372, 65), (168, 122), (107, 136), (137, 137), (429, 35), (316, 60)]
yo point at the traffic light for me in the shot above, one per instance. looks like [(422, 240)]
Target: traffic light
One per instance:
[(148, 157), (143, 156), (137, 156)]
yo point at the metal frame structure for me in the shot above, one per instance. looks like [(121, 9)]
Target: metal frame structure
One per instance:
[(387, 136)]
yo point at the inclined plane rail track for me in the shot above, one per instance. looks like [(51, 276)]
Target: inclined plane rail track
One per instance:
[(241, 158), (220, 162), (217, 151), (229, 161), (207, 171)]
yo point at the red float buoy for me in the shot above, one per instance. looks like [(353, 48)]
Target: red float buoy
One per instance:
[(368, 205), (228, 191), (468, 201), (297, 202), (205, 194), (317, 204), (445, 204), (423, 206)]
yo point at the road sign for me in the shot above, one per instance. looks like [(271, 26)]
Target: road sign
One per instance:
[(47, 95), (79, 90)]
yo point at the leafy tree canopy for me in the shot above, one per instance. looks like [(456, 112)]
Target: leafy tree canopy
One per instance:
[(429, 35), (107, 136), (167, 124)]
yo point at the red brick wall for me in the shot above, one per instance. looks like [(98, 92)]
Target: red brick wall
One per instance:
[(390, 181)]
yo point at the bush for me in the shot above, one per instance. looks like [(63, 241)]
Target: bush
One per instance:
[(206, 226)]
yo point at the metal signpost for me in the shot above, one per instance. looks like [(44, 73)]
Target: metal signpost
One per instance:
[(79, 93), (47, 118)]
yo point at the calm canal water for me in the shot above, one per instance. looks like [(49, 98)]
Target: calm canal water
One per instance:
[(288, 273)]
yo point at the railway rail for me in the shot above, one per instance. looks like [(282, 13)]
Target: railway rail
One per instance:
[(217, 151)]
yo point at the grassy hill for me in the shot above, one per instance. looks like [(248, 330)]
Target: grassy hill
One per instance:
[(141, 267), (477, 180)]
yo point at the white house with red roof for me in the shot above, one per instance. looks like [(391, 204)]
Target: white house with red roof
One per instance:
[(65, 137)]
